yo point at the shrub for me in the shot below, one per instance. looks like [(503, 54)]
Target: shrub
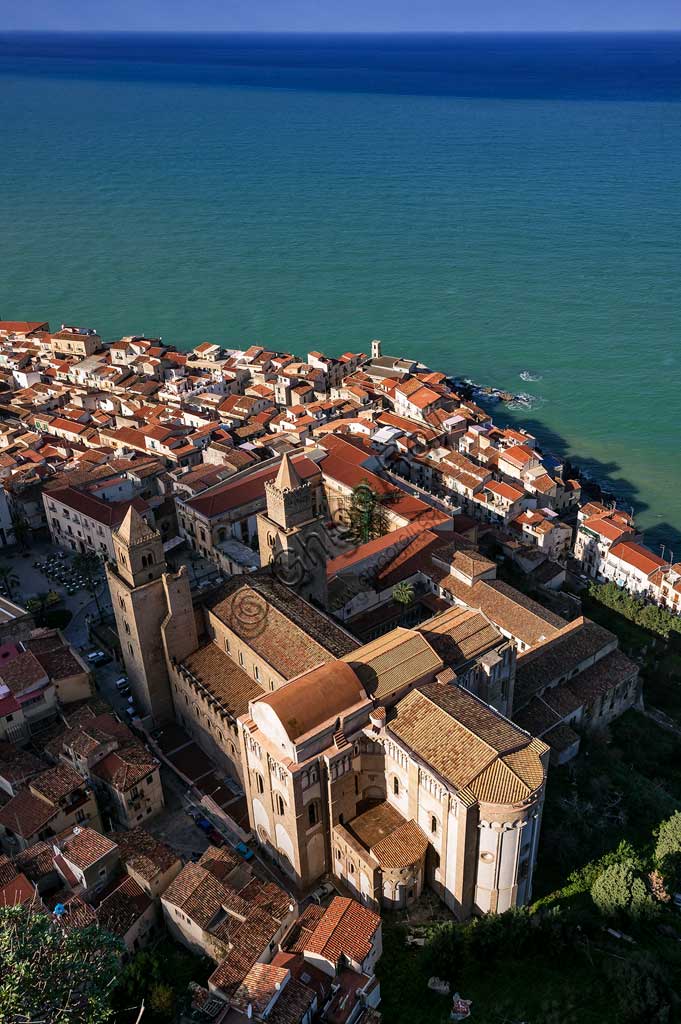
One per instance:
[(668, 850), (619, 892), (640, 989)]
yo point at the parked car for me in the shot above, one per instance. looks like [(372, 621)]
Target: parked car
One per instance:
[(131, 711), (322, 892), (122, 683), (99, 658), (125, 691), (244, 851)]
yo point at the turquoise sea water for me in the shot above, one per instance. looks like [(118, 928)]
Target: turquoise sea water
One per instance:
[(487, 221)]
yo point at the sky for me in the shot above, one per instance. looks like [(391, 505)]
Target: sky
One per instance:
[(341, 15)]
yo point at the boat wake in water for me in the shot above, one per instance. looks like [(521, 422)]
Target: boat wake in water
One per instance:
[(529, 375)]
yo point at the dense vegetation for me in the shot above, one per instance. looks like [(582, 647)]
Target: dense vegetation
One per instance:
[(160, 977), (647, 616), (52, 974)]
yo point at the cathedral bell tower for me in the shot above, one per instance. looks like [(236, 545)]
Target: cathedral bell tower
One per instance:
[(291, 534), (143, 596)]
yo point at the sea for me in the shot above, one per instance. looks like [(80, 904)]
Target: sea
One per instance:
[(495, 206)]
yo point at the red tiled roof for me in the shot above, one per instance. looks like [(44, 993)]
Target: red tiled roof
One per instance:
[(26, 814), (639, 557), (22, 326), (123, 769), (119, 911), (237, 493), (346, 929), (17, 892), (605, 528), (109, 513), (504, 490)]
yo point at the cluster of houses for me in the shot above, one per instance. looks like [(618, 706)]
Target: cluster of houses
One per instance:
[(78, 787), (386, 703), (192, 436)]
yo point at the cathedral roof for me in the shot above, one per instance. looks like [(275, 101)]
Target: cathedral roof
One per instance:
[(315, 697)]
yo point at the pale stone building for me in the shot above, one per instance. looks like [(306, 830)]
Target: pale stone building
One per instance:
[(384, 764), (143, 595)]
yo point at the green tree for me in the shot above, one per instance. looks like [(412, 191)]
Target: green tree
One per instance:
[(403, 593), (51, 974), (366, 514), (668, 850), (10, 580), (21, 529), (619, 892), (89, 565), (39, 607), (641, 989)]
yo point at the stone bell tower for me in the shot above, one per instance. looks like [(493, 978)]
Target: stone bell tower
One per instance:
[(144, 595), (291, 534)]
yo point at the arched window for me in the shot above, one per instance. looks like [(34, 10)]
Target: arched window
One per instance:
[(396, 786), (259, 783), (433, 823), (279, 804), (313, 814)]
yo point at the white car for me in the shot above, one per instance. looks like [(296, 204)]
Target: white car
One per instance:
[(121, 683), (95, 655)]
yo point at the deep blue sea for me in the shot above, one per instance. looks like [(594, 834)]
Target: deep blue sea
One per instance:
[(489, 204)]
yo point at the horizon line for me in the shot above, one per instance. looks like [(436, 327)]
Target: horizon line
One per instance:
[(343, 32)]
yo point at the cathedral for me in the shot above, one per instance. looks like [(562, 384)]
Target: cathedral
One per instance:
[(390, 765)]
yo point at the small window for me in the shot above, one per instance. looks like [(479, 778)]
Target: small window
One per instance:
[(433, 823), (396, 786), (260, 785), (241, 658), (227, 644), (313, 814), (279, 803), (256, 672)]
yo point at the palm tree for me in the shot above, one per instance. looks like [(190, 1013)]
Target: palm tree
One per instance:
[(21, 529), (10, 579), (89, 565), (403, 593)]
